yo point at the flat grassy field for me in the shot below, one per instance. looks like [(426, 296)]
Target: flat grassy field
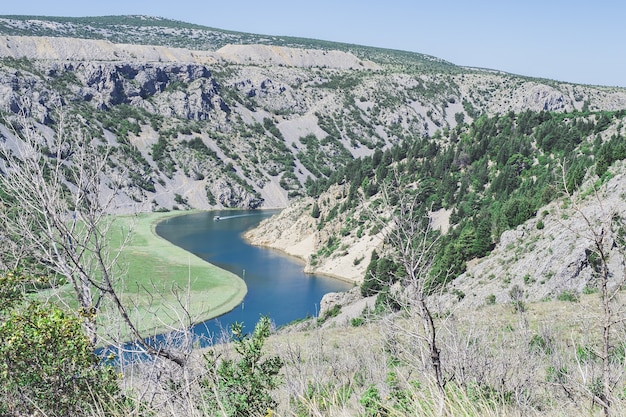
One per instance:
[(162, 281)]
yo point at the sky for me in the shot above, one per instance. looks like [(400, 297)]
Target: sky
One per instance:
[(574, 41)]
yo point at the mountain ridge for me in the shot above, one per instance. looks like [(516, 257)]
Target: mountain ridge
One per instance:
[(118, 29), (72, 49), (310, 115)]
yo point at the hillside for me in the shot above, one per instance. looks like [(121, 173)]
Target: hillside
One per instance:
[(210, 119), (549, 255), (202, 118), (520, 331), (477, 184), (504, 295)]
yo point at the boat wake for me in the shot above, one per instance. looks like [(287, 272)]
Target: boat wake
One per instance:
[(220, 218)]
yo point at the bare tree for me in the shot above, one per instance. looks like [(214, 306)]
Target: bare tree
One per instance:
[(411, 243), (58, 192), (605, 230)]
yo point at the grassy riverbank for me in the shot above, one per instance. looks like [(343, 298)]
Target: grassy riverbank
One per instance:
[(163, 282)]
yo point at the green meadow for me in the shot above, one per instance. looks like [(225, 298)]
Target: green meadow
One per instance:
[(163, 285)]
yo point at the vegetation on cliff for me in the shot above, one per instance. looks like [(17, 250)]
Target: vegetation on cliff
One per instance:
[(493, 174), (376, 143)]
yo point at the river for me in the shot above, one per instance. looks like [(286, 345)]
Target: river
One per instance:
[(277, 284)]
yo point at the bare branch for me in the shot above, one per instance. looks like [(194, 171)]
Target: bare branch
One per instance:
[(60, 196)]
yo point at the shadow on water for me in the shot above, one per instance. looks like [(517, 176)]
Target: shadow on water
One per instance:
[(277, 284)]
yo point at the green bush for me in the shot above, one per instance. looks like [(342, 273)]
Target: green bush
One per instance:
[(458, 294), (380, 274), (568, 295), (48, 365), (539, 344), (528, 279), (372, 402), (315, 211), (332, 312), (243, 388), (555, 375), (357, 321)]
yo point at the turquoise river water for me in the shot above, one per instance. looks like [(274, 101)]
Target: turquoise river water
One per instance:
[(277, 285)]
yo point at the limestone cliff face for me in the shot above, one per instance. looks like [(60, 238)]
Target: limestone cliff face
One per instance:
[(291, 231), (74, 49), (186, 91), (180, 92), (109, 84), (333, 247), (293, 57)]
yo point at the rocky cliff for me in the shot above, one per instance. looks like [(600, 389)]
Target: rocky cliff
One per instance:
[(74, 49), (551, 259), (245, 125), (296, 232)]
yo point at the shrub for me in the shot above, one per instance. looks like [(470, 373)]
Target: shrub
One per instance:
[(315, 211), (458, 294), (538, 344), (332, 312), (357, 322), (372, 402), (555, 375), (386, 301), (179, 199), (568, 295), (243, 388), (380, 273), (528, 279), (517, 294), (48, 365)]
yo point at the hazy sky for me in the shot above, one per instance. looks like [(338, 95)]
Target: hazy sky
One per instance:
[(566, 40)]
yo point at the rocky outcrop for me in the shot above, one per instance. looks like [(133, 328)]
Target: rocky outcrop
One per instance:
[(338, 309), (291, 231), (234, 195), (25, 93), (328, 247), (496, 92), (545, 261), (293, 57), (187, 91), (74, 49)]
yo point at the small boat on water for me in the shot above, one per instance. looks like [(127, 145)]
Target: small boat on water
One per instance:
[(216, 218)]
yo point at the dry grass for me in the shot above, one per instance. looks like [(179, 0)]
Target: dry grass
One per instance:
[(493, 360), (497, 361)]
